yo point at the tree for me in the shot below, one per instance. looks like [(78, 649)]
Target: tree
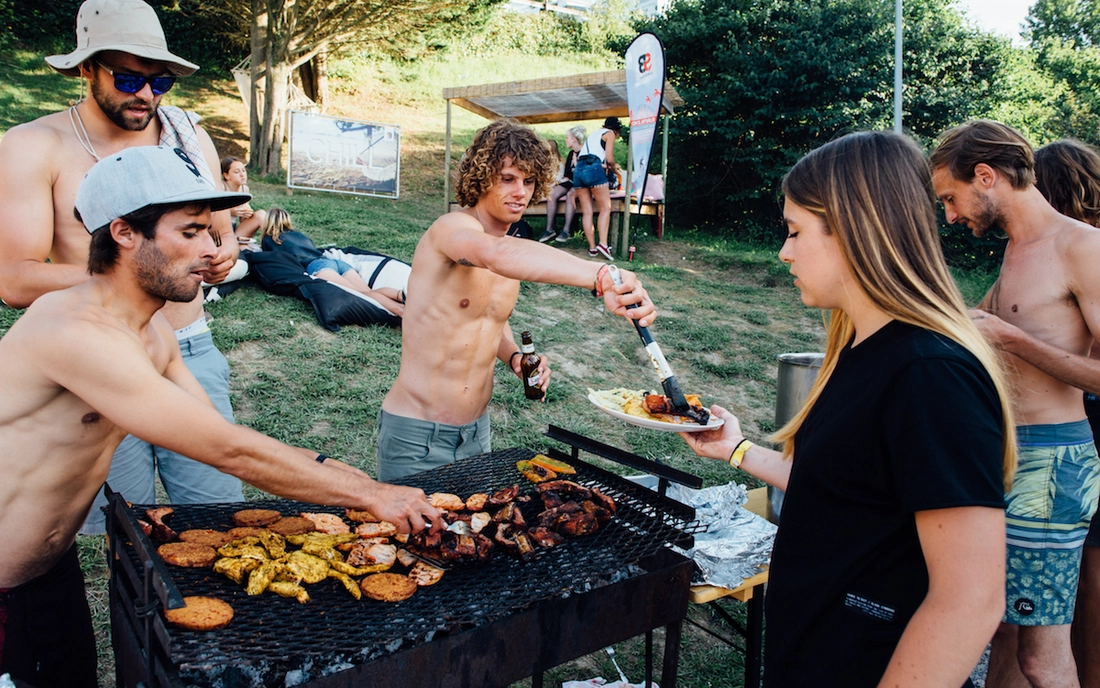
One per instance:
[(778, 78), (1065, 35), (287, 34)]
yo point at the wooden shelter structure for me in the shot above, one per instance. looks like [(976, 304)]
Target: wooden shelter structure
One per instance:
[(559, 99)]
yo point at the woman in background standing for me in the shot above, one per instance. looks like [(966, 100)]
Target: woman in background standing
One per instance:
[(590, 177)]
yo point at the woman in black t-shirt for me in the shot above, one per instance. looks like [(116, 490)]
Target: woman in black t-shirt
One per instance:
[(888, 566)]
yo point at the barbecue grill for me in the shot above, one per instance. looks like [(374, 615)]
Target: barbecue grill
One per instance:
[(483, 625)]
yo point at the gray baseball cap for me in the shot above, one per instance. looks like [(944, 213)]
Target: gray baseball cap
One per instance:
[(137, 177), (128, 26)]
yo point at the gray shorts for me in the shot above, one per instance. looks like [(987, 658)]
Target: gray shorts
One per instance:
[(410, 445)]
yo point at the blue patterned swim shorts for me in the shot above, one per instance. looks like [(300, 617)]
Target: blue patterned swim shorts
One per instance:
[(1051, 503)]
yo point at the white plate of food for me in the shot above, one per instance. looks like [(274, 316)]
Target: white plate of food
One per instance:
[(627, 405)]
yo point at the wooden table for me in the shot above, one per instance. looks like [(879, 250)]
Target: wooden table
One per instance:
[(751, 592)]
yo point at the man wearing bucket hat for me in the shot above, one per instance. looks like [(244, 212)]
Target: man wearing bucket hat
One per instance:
[(122, 52), (85, 365)]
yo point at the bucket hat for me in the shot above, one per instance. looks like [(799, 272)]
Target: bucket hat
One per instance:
[(128, 26), (138, 177)]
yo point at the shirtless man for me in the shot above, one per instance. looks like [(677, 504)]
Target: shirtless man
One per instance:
[(84, 366), (1043, 313), (464, 284), (121, 51)]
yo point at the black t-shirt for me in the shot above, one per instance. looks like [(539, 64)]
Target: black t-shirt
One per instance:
[(909, 421)]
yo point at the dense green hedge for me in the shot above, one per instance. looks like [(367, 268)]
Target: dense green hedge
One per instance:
[(49, 26)]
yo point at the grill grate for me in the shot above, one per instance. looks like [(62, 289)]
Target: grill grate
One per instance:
[(272, 637)]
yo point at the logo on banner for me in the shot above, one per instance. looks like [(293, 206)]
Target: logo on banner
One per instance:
[(644, 94)]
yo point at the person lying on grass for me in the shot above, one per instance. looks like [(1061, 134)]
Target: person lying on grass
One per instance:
[(279, 235)]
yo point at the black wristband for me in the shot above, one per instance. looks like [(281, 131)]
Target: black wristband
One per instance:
[(514, 354), (321, 458)]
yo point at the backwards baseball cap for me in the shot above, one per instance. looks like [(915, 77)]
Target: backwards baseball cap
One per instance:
[(138, 177), (128, 26)]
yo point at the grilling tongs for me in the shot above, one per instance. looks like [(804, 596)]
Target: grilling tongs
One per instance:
[(668, 380)]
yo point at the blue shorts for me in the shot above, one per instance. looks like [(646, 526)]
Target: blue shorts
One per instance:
[(410, 445), (589, 172), (1050, 505), (328, 264)]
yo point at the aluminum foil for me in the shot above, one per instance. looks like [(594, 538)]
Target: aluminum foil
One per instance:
[(736, 543)]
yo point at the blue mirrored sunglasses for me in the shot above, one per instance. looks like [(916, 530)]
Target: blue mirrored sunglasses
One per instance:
[(132, 83)]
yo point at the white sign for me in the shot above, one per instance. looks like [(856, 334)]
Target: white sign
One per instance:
[(645, 86), (343, 155)]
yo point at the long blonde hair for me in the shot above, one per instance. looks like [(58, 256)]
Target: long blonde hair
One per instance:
[(873, 190), (276, 222)]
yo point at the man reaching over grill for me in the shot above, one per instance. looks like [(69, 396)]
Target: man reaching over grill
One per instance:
[(86, 365), (464, 284)]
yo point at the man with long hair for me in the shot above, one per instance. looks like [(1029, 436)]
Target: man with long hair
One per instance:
[(85, 365), (122, 54), (1043, 314), (888, 566), (465, 280)]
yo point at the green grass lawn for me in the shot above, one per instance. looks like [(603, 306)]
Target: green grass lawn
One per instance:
[(725, 312)]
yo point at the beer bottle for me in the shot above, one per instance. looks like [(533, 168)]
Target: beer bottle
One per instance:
[(529, 366)]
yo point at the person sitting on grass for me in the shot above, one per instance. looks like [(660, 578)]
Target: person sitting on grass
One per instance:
[(889, 563), (246, 221), (279, 236)]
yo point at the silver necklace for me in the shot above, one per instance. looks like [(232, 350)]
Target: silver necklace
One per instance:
[(81, 133)]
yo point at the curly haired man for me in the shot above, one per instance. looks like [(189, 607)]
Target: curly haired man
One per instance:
[(465, 279)]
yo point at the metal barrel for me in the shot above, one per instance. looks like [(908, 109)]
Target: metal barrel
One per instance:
[(797, 372)]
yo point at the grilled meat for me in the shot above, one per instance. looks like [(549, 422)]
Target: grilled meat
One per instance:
[(476, 501), (545, 537), (566, 488), (582, 523), (504, 514), (603, 500), (661, 408), (327, 523), (503, 496), (368, 555), (602, 515), (161, 532)]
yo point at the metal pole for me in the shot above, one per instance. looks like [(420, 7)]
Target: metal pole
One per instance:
[(897, 66), (447, 164)]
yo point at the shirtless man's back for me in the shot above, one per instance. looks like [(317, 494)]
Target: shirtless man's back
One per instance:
[(1043, 313), (464, 284)]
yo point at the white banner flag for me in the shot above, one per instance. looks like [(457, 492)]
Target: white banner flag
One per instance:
[(645, 89)]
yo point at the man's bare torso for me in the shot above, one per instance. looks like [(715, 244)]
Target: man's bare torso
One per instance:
[(1035, 292), (67, 163), (451, 332), (57, 448)]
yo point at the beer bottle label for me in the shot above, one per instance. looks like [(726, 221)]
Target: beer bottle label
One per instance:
[(533, 380)]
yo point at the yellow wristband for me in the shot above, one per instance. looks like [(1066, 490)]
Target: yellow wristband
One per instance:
[(738, 454)]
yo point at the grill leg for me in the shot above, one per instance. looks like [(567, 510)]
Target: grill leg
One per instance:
[(754, 638), (536, 680), (672, 655), (648, 659)]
